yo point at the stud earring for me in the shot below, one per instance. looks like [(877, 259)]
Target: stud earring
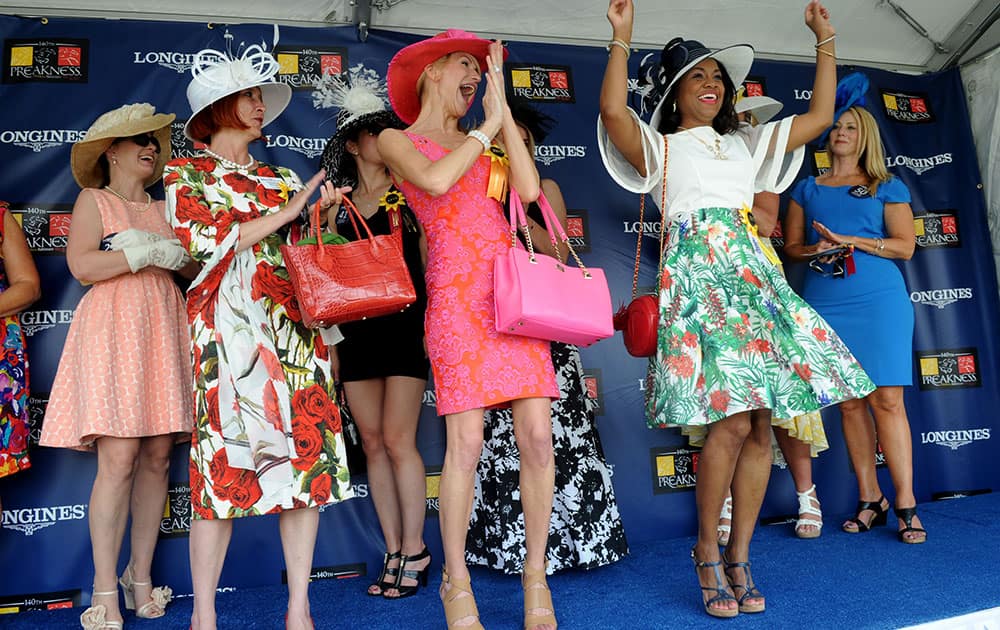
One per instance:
[(673, 107), (114, 161)]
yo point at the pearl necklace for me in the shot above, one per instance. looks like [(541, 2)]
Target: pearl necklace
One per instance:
[(149, 198), (230, 164), (715, 150)]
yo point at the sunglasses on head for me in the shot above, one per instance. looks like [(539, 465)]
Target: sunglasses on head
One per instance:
[(143, 140)]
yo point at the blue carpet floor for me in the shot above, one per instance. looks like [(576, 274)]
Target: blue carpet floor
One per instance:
[(835, 581)]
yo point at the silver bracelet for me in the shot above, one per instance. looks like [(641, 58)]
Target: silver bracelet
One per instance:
[(826, 41), (479, 135), (620, 44)]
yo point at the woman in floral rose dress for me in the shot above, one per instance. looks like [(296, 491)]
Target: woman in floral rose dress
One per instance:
[(267, 436)]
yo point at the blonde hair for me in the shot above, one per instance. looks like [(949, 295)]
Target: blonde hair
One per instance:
[(871, 154), (421, 80)]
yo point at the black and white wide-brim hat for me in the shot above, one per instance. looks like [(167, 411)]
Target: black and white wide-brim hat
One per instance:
[(360, 94), (680, 55)]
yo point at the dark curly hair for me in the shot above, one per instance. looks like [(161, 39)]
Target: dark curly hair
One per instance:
[(653, 73)]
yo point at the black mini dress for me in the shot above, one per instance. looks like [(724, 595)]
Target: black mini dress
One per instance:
[(391, 345)]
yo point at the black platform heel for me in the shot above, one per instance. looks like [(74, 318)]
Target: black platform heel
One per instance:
[(420, 576), (381, 582), (880, 515), (906, 515)]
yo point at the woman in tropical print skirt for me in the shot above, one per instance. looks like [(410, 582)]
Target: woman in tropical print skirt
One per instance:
[(733, 336)]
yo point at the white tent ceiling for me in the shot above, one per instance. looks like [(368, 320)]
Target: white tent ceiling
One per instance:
[(871, 32)]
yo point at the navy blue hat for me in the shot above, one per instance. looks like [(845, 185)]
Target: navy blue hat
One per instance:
[(679, 56)]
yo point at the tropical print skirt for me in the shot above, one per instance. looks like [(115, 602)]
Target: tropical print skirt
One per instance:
[(734, 336), (806, 428)]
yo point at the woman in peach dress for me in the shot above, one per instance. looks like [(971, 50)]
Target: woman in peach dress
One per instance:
[(123, 387)]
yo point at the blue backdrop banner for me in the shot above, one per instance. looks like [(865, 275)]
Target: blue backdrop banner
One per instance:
[(59, 75)]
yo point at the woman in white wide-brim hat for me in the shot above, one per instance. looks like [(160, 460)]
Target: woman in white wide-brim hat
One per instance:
[(267, 434), (733, 337), (123, 384)]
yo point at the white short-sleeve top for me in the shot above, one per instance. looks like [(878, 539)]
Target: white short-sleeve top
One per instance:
[(695, 177)]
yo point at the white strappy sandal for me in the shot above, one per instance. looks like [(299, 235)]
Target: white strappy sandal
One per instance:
[(809, 504), (725, 528)]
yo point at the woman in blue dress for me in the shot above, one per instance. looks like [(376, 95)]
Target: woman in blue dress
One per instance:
[(857, 202)]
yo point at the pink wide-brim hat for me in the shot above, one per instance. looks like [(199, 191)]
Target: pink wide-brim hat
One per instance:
[(408, 64)]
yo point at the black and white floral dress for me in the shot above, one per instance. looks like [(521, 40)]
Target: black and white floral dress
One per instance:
[(586, 530)]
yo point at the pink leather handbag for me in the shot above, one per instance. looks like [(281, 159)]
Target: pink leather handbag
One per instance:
[(539, 296)]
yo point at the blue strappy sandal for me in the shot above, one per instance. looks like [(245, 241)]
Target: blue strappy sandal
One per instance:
[(720, 590)]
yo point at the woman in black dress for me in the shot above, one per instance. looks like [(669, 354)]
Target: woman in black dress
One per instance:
[(382, 361)]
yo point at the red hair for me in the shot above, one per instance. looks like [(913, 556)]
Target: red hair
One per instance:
[(219, 115)]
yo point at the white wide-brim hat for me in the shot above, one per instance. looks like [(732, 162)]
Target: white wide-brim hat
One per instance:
[(763, 108), (680, 56), (123, 122), (216, 76)]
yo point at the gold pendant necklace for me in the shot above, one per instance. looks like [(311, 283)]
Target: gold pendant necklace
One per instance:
[(149, 199), (715, 150)]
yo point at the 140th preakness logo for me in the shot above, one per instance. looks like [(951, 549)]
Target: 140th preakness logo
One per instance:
[(949, 369), (907, 107), (937, 229), (62, 60), (301, 68), (674, 469), (45, 226), (551, 84)]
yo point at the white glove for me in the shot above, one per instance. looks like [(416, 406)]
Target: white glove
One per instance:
[(131, 238), (166, 254)]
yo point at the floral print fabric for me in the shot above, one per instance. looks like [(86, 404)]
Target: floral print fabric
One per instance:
[(13, 386), (474, 365), (734, 336), (586, 529), (268, 435)]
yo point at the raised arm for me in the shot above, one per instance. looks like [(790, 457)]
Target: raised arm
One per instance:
[(523, 173), (810, 125), (621, 125)]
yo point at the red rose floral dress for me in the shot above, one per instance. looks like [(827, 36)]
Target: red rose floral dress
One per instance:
[(267, 434)]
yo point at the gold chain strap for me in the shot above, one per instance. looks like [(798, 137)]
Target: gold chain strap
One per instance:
[(642, 208)]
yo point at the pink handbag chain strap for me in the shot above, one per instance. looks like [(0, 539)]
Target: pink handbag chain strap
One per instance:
[(552, 226), (663, 210)]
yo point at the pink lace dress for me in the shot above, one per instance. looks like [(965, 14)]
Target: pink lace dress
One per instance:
[(474, 366)]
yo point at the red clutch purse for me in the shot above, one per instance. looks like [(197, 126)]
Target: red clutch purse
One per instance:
[(640, 320), (335, 284)]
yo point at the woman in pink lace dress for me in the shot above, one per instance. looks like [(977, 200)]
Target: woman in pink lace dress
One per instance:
[(454, 183)]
